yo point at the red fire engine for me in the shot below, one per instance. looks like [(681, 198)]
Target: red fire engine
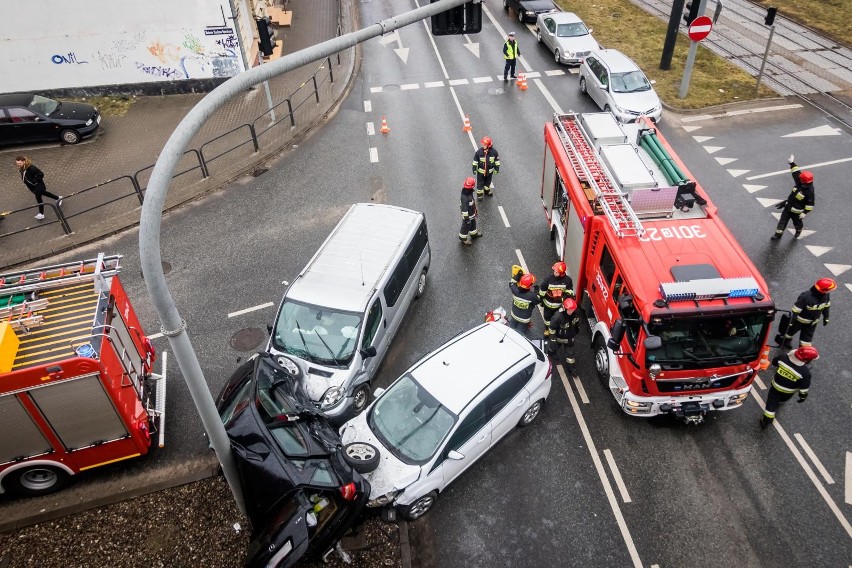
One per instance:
[(76, 387), (679, 314)]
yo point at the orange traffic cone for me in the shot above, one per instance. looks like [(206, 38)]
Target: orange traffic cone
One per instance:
[(467, 127), (384, 129), (764, 359), (522, 81)]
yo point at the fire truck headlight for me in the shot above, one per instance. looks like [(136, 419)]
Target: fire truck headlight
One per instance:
[(636, 407), (737, 399), (654, 370)]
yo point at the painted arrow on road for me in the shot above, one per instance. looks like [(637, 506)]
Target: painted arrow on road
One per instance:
[(472, 46), (824, 130), (395, 37)]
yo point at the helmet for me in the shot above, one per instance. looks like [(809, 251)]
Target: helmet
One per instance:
[(570, 304), (806, 176), (469, 183), (486, 142), (560, 268), (526, 281), (807, 353), (825, 285)]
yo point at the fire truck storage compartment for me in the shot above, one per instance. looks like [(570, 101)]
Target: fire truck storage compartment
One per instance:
[(628, 170), (27, 441), (603, 129)]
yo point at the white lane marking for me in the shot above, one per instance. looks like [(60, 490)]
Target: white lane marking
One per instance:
[(454, 82), (726, 161), (482, 79), (701, 117), (521, 260), (409, 86), (252, 309), (554, 72), (655, 566), (844, 522), (837, 269), (713, 149), (553, 104), (814, 459), (371, 129), (824, 130), (374, 155), (850, 289), (619, 482), (376, 89), (532, 75), (691, 128), (768, 202), (738, 173), (759, 383), (702, 139), (503, 215), (155, 336), (847, 479), (607, 486), (808, 167), (581, 390), (368, 106), (433, 84), (817, 250), (753, 188)]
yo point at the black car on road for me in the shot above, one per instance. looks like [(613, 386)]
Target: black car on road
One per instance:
[(34, 118), (528, 10), (301, 493)]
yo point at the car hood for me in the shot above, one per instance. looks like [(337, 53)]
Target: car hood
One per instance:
[(537, 6), (316, 379), (640, 102), (580, 43), (75, 111), (392, 473)]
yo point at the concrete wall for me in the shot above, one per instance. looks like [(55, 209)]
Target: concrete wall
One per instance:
[(57, 44)]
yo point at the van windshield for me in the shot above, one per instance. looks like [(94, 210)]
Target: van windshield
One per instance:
[(315, 334)]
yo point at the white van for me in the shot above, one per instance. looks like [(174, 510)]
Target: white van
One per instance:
[(337, 319)]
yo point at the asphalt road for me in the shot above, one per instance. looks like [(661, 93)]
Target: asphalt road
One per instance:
[(724, 493)]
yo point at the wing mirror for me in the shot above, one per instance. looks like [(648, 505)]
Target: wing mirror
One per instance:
[(368, 352), (617, 334), (454, 455)]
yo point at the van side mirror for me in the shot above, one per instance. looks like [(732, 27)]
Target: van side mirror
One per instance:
[(378, 392), (652, 342), (368, 352), (617, 334), (454, 455)]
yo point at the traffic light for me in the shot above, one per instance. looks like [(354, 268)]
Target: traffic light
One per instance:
[(266, 34), (770, 15), (691, 12), (464, 19)]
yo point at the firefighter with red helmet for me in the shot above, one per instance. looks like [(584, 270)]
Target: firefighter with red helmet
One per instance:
[(524, 299), (799, 203), (468, 229), (564, 326), (810, 306), (792, 376), (554, 288), (486, 163)]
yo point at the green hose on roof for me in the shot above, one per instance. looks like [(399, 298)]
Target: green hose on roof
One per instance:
[(674, 174)]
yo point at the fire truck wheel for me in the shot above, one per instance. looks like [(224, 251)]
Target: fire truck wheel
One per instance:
[(602, 360), (37, 480)]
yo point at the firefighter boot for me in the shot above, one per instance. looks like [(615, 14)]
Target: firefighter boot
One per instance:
[(798, 233), (480, 193), (775, 237), (765, 421), (467, 241), (489, 191)]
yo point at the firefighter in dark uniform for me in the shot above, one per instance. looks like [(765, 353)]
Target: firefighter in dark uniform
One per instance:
[(793, 375), (564, 326), (468, 229), (799, 203), (554, 288), (524, 299), (486, 163), (809, 307)]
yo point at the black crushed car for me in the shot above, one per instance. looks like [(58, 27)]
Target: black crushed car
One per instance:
[(34, 118), (302, 495)]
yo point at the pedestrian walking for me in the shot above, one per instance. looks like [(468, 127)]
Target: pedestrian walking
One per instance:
[(33, 178), (468, 229), (554, 288), (792, 375), (486, 163), (799, 203), (524, 299), (806, 312), (511, 52), (564, 326)]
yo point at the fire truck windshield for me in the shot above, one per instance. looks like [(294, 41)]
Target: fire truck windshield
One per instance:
[(319, 335), (701, 342)]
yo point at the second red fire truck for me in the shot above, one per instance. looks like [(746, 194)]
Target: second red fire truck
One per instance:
[(679, 314)]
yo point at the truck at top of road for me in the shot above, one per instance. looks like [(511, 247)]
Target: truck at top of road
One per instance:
[(76, 384), (679, 315)]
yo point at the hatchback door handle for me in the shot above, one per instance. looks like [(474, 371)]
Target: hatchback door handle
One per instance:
[(482, 439), (521, 401)]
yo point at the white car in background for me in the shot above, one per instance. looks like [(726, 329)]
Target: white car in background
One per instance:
[(565, 34), (618, 86), (444, 413)]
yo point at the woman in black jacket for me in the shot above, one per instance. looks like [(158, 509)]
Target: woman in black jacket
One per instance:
[(33, 178)]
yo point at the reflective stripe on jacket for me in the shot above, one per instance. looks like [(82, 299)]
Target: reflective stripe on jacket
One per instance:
[(486, 161), (792, 375), (511, 49), (523, 302), (810, 305)]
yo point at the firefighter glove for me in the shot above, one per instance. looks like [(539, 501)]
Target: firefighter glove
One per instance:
[(791, 159), (781, 205), (802, 397), (517, 272)]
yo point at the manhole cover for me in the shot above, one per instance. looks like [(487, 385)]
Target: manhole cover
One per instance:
[(165, 265), (248, 339)]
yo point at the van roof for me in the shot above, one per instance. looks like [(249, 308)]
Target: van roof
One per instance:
[(468, 363), (615, 60), (355, 256)]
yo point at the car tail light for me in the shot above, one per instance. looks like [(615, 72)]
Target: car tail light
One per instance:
[(348, 491)]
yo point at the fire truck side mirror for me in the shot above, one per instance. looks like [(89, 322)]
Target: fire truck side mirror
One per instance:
[(652, 342), (617, 334)]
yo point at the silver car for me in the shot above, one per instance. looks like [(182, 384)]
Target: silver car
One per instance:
[(618, 86), (565, 34)]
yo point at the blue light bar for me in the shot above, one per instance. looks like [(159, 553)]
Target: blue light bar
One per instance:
[(709, 289)]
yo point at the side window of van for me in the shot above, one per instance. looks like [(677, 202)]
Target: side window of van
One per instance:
[(374, 318), (407, 265)]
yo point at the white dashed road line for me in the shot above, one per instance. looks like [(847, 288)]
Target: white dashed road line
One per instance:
[(252, 309), (503, 215), (374, 155), (368, 106), (371, 129), (580, 389), (807, 167)]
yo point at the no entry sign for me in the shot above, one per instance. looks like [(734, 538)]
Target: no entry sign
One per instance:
[(700, 28)]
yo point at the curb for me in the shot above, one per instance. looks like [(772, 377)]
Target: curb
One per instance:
[(404, 544)]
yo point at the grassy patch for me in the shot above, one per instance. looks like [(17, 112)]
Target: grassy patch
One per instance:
[(109, 105)]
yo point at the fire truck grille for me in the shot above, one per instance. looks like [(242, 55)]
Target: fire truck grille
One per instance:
[(695, 385)]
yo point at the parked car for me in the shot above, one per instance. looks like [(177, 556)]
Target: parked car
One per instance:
[(618, 86), (565, 34), (34, 118), (528, 9), (444, 413), (301, 494)]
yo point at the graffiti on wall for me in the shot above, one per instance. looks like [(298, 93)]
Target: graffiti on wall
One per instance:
[(69, 58)]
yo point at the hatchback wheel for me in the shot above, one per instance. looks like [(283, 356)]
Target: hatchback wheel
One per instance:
[(363, 457), (538, 35), (521, 15), (70, 136), (583, 85), (361, 398), (420, 507), (531, 414), (556, 56)]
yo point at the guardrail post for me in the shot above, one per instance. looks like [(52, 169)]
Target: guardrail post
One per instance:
[(316, 88), (254, 137), (290, 110), (330, 69), (137, 188), (61, 216), (202, 163)]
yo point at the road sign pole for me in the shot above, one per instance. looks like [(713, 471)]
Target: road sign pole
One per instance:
[(687, 72), (765, 56)]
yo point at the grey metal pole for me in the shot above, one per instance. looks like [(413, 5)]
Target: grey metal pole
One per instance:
[(174, 327), (687, 72), (268, 93), (765, 57)]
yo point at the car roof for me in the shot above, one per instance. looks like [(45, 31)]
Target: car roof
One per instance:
[(15, 99), (460, 369), (563, 17), (616, 61)]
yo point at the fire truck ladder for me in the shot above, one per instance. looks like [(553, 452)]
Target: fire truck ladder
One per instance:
[(13, 283), (588, 169)]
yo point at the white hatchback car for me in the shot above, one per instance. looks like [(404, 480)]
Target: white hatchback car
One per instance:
[(618, 86), (444, 413)]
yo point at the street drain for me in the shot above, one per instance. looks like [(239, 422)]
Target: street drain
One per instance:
[(259, 172), (248, 339)]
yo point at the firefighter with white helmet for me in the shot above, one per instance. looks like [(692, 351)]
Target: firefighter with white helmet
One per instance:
[(486, 163), (792, 376), (524, 299), (554, 288), (468, 229), (810, 306), (564, 326)]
